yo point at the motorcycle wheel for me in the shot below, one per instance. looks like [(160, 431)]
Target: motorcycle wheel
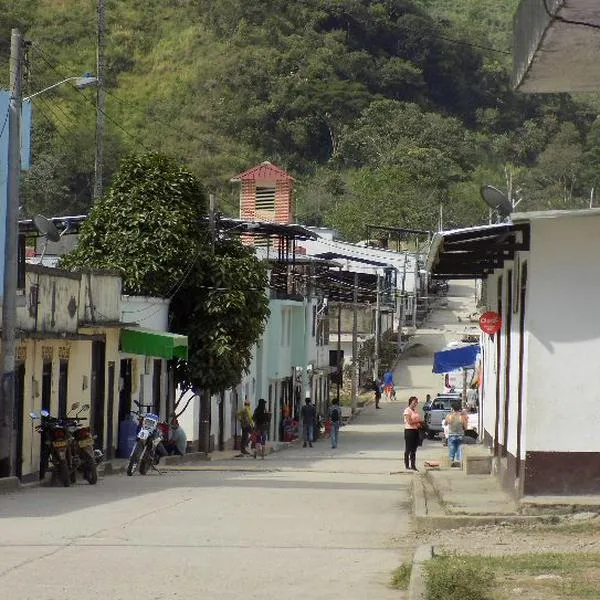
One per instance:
[(145, 464), (135, 458), (63, 473), (91, 472)]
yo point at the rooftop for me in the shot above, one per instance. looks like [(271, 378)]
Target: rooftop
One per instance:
[(556, 46), (266, 170)]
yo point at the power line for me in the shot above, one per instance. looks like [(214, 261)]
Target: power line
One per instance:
[(90, 102), (56, 121), (130, 106)]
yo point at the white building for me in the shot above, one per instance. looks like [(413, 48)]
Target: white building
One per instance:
[(540, 398)]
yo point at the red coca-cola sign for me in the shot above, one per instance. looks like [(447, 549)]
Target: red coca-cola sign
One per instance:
[(490, 322)]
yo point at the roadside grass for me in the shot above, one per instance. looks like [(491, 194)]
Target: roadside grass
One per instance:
[(547, 576), (588, 526), (401, 576)]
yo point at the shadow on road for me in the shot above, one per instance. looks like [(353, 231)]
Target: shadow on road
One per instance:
[(370, 448)]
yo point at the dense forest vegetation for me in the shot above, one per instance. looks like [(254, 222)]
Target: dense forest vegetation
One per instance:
[(383, 110)]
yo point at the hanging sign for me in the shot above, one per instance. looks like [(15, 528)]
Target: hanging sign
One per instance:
[(490, 322)]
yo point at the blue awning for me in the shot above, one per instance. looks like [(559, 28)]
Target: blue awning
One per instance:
[(454, 359)]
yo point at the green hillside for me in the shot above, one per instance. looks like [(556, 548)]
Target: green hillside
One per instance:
[(381, 109)]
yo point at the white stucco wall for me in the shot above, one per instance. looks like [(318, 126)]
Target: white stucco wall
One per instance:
[(148, 312), (490, 363), (564, 344), (488, 400)]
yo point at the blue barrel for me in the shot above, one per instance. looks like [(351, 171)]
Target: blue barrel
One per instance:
[(127, 436)]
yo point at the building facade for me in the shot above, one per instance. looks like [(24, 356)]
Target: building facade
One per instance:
[(538, 391)]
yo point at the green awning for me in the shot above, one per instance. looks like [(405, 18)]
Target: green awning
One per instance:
[(160, 344)]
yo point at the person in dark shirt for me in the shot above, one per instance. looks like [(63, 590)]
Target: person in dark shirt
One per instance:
[(308, 416), (377, 390), (262, 420)]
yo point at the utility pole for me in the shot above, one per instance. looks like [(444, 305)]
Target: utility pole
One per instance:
[(339, 365), (9, 301), (205, 395), (212, 219), (377, 332), (100, 99), (401, 314), (355, 344)]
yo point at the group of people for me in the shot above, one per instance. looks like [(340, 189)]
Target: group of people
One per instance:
[(456, 423), (174, 438), (387, 388), (255, 427)]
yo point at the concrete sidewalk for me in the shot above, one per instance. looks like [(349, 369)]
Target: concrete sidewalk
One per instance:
[(117, 466), (448, 497)]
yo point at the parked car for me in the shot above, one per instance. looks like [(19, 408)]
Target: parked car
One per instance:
[(438, 410)]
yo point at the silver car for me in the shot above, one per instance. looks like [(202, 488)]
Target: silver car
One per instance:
[(437, 411)]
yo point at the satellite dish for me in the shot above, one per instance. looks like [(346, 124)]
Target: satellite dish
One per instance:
[(49, 231), (47, 228), (496, 200)]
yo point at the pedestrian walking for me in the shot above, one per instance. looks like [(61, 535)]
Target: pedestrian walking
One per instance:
[(388, 384), (335, 415), (262, 421), (308, 416), (412, 424), (246, 424), (377, 390), (457, 423)]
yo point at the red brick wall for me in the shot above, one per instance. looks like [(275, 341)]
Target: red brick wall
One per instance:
[(248, 200), (283, 202)]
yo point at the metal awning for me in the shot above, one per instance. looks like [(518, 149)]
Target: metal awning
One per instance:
[(265, 229), (475, 252), (160, 344), (454, 359)]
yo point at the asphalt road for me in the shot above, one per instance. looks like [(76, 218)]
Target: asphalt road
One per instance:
[(304, 523)]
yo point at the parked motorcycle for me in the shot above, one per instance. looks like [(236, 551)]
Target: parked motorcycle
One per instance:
[(68, 446), (56, 449), (148, 446), (84, 458)]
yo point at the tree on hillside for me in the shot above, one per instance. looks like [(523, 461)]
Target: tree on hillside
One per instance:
[(151, 227)]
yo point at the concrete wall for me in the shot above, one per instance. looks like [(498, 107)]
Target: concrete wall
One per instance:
[(99, 297), (147, 312), (51, 301), (564, 334), (57, 302), (33, 352)]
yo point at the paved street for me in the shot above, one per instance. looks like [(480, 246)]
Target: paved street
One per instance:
[(316, 523)]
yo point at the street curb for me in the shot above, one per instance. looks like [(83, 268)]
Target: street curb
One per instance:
[(416, 584), (429, 513), (187, 460), (9, 484)]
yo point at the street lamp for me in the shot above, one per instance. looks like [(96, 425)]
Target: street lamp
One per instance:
[(81, 82)]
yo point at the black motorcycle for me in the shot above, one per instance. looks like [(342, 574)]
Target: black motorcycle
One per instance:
[(56, 447)]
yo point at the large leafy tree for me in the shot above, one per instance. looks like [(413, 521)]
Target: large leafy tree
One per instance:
[(151, 227)]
